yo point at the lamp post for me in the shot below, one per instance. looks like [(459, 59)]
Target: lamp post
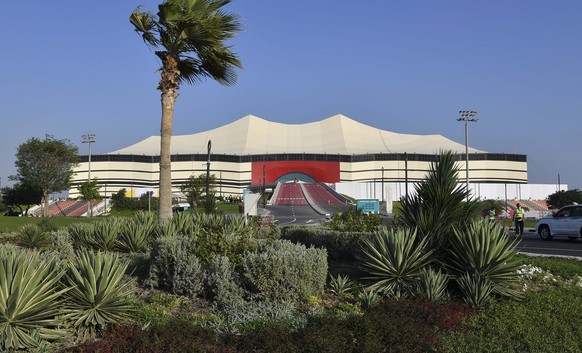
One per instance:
[(88, 138), (264, 176), (466, 116)]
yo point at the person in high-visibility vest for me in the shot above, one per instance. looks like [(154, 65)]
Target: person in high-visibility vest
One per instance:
[(519, 217), (491, 215)]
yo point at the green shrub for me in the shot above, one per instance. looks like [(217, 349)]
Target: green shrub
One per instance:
[(149, 314), (354, 220), (138, 265), (222, 282), (248, 316), (225, 235), (285, 271), (175, 267), (61, 250), (339, 245), (167, 301)]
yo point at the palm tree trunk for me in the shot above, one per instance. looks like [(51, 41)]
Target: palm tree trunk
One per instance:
[(168, 86), (45, 195)]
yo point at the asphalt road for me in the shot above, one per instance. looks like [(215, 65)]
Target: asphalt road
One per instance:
[(531, 243), (293, 214)]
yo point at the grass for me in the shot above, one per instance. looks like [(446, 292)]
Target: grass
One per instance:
[(12, 224), (537, 324)]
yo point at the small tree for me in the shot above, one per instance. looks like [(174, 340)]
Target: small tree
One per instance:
[(89, 190), (194, 188), (21, 194), (563, 198), (121, 202), (46, 165)]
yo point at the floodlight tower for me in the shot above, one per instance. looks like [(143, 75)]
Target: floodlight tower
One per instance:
[(89, 138), (466, 116)]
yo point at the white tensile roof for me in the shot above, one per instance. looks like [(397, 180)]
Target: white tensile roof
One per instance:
[(335, 135)]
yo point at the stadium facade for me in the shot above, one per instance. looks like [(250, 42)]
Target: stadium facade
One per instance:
[(251, 152)]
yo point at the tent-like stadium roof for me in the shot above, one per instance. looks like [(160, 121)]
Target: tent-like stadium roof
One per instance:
[(335, 135)]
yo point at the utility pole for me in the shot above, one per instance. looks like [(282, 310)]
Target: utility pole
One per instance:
[(466, 116), (88, 138)]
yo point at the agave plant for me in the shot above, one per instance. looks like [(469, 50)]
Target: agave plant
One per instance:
[(133, 237), (81, 235), (30, 300), (432, 285), (369, 298), (99, 295), (147, 219), (393, 260), (185, 224), (105, 234), (485, 250), (32, 236), (340, 285), (476, 290), (167, 228)]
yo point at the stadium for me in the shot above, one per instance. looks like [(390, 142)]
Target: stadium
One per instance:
[(353, 158)]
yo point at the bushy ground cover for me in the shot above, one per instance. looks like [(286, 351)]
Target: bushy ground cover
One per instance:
[(535, 324), (221, 294)]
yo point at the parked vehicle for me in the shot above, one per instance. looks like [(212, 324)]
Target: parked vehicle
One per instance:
[(567, 222), (12, 212)]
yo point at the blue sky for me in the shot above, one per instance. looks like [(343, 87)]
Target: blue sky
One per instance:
[(73, 67)]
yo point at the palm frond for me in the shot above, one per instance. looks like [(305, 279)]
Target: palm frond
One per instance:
[(144, 23)]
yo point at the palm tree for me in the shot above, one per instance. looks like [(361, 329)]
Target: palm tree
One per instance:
[(189, 37)]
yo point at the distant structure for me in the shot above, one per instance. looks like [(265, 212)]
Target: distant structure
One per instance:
[(252, 152)]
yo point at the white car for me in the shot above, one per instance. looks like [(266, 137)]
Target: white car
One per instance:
[(567, 221)]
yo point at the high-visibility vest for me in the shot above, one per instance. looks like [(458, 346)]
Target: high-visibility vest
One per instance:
[(519, 213), (491, 214)]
